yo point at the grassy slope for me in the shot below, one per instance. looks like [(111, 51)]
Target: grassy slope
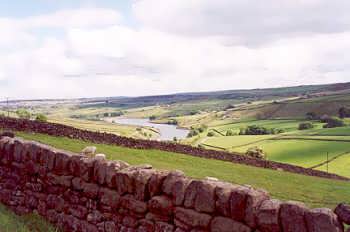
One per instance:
[(287, 186), (9, 222)]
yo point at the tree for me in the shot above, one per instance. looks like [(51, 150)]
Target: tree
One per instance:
[(344, 112), (41, 118), (24, 114), (229, 133), (334, 122), (256, 152), (305, 126), (311, 116), (210, 134)]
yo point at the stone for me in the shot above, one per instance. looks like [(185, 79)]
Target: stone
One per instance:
[(142, 178), (129, 221), (61, 163), (129, 202), (47, 158), (89, 151), (100, 156), (254, 199), (343, 212), (78, 211), (65, 181), (292, 217), (322, 219), (155, 183), (223, 193), (87, 227), (90, 190), (94, 217), (77, 183), (161, 205), (7, 134), (125, 181), (237, 203), (85, 169), (163, 227), (109, 197), (223, 224), (170, 180), (268, 216), (192, 218), (100, 171), (110, 226), (145, 226)]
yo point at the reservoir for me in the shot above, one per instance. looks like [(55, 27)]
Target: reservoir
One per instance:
[(167, 132)]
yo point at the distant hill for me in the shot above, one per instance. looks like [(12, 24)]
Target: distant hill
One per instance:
[(304, 90)]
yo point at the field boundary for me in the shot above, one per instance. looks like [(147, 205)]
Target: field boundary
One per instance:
[(330, 160), (112, 139)]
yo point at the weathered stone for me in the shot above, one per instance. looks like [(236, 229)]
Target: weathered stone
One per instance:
[(343, 212), (47, 158), (87, 227), (110, 226), (77, 183), (129, 202), (90, 190), (268, 216), (170, 180), (160, 205), (163, 227), (78, 211), (89, 151), (322, 219), (85, 169), (145, 226), (94, 217), (192, 218), (124, 181), (100, 171), (109, 197), (253, 202), (142, 178), (292, 217), (129, 221), (155, 183), (158, 217), (238, 202), (65, 181), (62, 162), (222, 224), (223, 193), (9, 134)]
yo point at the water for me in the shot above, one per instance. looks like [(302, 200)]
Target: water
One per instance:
[(167, 132)]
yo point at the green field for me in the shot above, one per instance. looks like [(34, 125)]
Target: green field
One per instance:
[(9, 222), (316, 192)]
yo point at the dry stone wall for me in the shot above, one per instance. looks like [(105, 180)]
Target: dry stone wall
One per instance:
[(96, 137), (77, 193)]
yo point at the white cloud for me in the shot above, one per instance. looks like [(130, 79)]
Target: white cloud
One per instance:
[(97, 56), (246, 21)]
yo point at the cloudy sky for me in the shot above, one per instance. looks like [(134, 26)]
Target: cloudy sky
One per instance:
[(77, 48)]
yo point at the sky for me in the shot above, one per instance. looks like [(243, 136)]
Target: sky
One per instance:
[(96, 48)]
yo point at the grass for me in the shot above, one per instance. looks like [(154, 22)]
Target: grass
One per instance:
[(314, 191), (300, 152), (10, 222), (339, 165)]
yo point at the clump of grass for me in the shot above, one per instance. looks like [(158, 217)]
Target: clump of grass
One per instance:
[(10, 222)]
